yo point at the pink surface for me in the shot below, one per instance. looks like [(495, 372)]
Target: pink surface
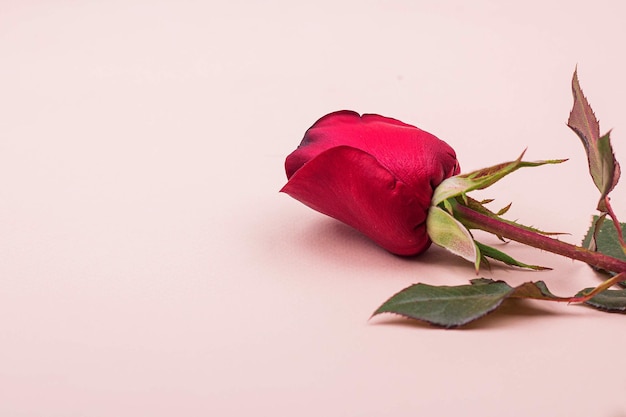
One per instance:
[(149, 266)]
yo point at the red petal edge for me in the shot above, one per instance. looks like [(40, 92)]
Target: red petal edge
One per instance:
[(351, 186)]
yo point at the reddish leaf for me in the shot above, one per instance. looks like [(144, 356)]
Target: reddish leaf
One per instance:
[(603, 167)]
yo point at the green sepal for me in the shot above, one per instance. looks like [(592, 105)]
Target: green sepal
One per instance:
[(459, 185), (494, 253), (447, 232)]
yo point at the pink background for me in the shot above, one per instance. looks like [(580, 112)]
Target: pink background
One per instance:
[(149, 266)]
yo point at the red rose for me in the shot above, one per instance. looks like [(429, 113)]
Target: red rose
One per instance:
[(374, 173)]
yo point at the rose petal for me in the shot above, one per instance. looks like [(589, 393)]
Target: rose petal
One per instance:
[(414, 156), (352, 186)]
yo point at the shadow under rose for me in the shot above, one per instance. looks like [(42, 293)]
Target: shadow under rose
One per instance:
[(331, 241), (338, 241)]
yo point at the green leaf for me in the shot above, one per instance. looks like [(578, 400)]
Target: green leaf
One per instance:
[(447, 306), (606, 238), (447, 232), (459, 185), (613, 301), (603, 167), (454, 306), (602, 237), (590, 240)]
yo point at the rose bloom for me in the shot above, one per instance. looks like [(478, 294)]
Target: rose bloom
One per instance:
[(373, 173)]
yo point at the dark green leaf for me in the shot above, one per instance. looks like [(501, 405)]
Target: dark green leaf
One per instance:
[(447, 306), (590, 240), (456, 306), (606, 238), (610, 300)]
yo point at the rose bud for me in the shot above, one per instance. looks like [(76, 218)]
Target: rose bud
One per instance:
[(373, 173)]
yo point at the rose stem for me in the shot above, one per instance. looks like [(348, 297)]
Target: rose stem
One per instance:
[(475, 220)]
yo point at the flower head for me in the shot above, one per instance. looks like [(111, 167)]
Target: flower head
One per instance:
[(373, 173)]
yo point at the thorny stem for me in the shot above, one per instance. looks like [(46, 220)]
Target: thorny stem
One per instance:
[(474, 220)]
